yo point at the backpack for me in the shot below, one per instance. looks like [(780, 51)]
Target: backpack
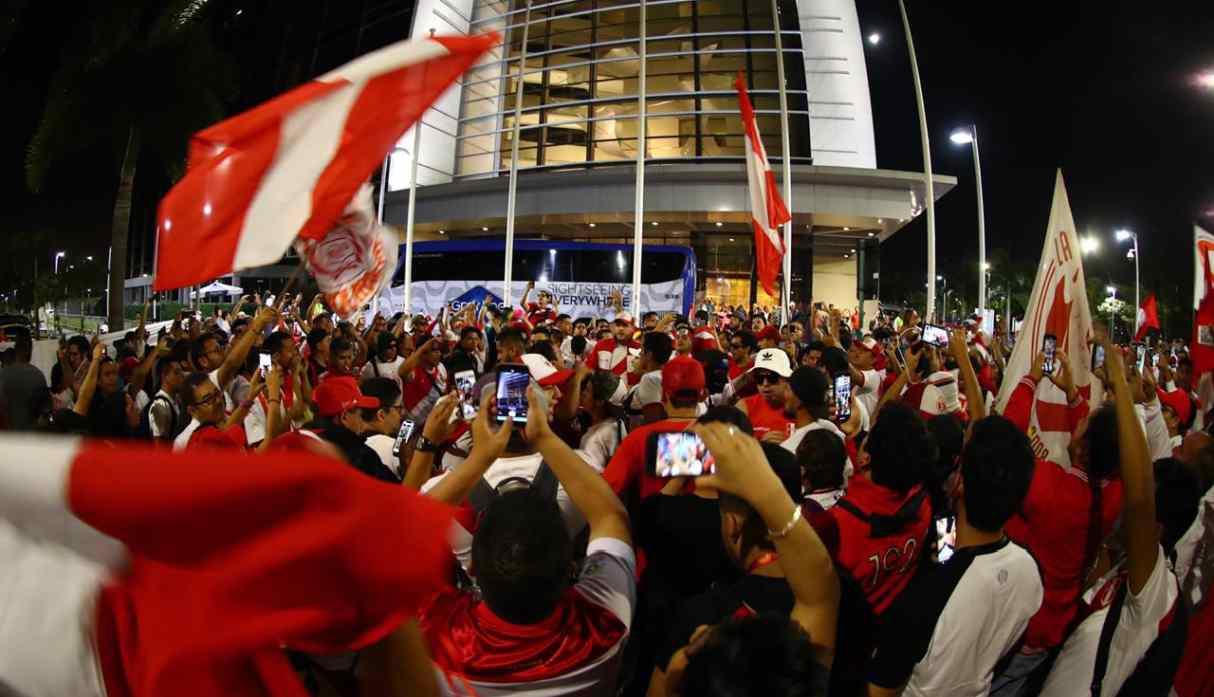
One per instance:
[(145, 421), (482, 494)]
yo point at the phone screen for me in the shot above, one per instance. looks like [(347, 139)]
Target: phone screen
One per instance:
[(934, 335), (465, 380), (1049, 344), (946, 535), (264, 364), (404, 434), (1097, 357), (842, 397), (680, 454), (512, 382), (1142, 357)]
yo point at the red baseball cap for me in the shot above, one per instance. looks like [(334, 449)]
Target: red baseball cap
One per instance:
[(682, 374), (334, 396), (770, 332), (1179, 403)]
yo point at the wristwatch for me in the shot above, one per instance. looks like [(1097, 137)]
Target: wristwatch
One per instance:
[(425, 445)]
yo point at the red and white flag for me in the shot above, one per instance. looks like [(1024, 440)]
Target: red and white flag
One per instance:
[(1148, 317), (1202, 348), (767, 209), (1058, 306), (196, 569), (288, 168)]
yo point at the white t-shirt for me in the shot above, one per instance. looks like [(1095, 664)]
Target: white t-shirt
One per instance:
[(386, 370), (255, 421), (598, 443), (382, 445), (524, 466), (648, 391), (608, 579), (1137, 629), (870, 393)]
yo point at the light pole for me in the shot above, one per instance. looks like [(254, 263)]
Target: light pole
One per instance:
[(58, 256), (1112, 290), (945, 280), (962, 136), (1123, 235), (927, 165)]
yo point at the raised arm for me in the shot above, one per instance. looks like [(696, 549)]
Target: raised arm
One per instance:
[(242, 410), (406, 368), (1138, 507), (487, 446), (273, 409), (240, 350), (973, 392), (526, 294), (742, 470), (89, 385), (588, 490)]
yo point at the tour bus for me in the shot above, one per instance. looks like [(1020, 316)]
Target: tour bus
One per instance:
[(581, 276)]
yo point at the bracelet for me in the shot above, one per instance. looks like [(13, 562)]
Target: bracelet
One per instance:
[(796, 515)]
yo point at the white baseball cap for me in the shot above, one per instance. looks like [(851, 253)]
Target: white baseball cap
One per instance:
[(773, 359), (543, 372), (625, 317)]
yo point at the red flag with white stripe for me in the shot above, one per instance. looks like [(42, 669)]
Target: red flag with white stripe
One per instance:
[(767, 209), (188, 573), (1148, 317), (289, 167)]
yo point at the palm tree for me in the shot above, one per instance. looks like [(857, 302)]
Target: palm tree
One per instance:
[(141, 77)]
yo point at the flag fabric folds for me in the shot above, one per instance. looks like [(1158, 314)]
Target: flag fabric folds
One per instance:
[(1057, 306), (217, 561), (1202, 348), (767, 209), (289, 167), (1148, 317)]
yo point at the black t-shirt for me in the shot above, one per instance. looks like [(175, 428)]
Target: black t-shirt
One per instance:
[(749, 595), (681, 538), (358, 453)]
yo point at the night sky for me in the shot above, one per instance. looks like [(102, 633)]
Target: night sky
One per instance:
[(1106, 91)]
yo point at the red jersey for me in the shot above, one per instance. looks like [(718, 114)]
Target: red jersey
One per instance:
[(766, 418), (627, 465), (1052, 525), (537, 315), (881, 566), (215, 437), (614, 353), (422, 383)]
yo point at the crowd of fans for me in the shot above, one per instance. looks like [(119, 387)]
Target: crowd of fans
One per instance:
[(899, 537)]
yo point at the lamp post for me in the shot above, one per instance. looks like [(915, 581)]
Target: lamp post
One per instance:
[(927, 165), (945, 280), (963, 136), (1112, 290), (1123, 235)]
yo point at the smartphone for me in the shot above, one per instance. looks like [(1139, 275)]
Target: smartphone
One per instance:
[(946, 538), (404, 434), (842, 397), (678, 454), (1049, 343), (604, 358), (1142, 356), (264, 364), (1155, 359), (935, 335), (1097, 357), (512, 382), (465, 380)]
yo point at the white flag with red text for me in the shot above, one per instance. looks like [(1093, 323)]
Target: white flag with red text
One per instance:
[(288, 168), (1058, 306), (1202, 348), (767, 209)]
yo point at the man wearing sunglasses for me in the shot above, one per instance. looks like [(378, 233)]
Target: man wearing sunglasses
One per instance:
[(209, 426), (770, 371)]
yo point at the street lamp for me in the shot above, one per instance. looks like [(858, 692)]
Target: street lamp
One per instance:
[(874, 38), (58, 256), (1123, 235), (945, 281), (1089, 245), (969, 136)]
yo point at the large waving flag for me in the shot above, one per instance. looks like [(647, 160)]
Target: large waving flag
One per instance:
[(1203, 302), (212, 563), (289, 167), (767, 209), (1057, 306), (1148, 317)]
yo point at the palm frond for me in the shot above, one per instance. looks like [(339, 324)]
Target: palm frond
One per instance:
[(53, 137)]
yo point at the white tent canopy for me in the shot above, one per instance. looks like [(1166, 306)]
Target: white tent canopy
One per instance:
[(217, 287)]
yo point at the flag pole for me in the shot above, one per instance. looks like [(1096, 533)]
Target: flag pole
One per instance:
[(416, 155), (512, 195), (383, 187), (927, 170), (638, 221), (786, 292)]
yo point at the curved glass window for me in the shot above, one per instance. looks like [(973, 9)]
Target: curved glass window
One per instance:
[(581, 71)]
